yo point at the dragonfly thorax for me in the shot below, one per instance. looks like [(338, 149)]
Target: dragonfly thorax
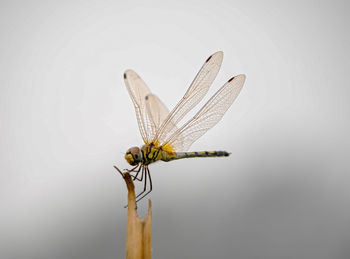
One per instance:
[(133, 156)]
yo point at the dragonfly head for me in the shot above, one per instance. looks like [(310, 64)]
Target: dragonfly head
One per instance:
[(133, 156)]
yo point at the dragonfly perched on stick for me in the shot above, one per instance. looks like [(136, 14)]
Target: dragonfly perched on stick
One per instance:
[(163, 139)]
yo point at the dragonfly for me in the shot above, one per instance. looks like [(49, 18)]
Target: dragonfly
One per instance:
[(163, 139)]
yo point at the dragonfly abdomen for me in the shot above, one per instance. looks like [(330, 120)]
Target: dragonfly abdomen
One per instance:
[(181, 155)]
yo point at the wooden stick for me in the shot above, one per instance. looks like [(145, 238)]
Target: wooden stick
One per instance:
[(138, 231)]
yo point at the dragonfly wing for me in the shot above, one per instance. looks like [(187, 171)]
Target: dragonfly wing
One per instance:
[(207, 117), (195, 93), (138, 91), (157, 113)]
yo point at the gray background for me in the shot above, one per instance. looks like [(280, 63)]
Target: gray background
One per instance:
[(66, 119)]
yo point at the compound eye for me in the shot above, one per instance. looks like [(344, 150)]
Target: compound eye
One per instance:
[(136, 156)]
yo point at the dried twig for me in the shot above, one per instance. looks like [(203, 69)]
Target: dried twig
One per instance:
[(138, 231)]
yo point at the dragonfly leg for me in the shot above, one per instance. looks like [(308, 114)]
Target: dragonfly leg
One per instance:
[(150, 182), (137, 173), (130, 170), (127, 170), (144, 172)]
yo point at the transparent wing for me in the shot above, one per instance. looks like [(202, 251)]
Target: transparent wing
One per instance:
[(138, 91), (157, 113), (192, 97), (207, 117)]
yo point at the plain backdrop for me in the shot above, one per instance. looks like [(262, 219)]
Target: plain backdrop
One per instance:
[(66, 119)]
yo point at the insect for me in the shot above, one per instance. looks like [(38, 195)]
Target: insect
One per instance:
[(163, 139)]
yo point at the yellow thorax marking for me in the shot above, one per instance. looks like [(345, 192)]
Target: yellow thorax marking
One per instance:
[(156, 152), (168, 148)]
